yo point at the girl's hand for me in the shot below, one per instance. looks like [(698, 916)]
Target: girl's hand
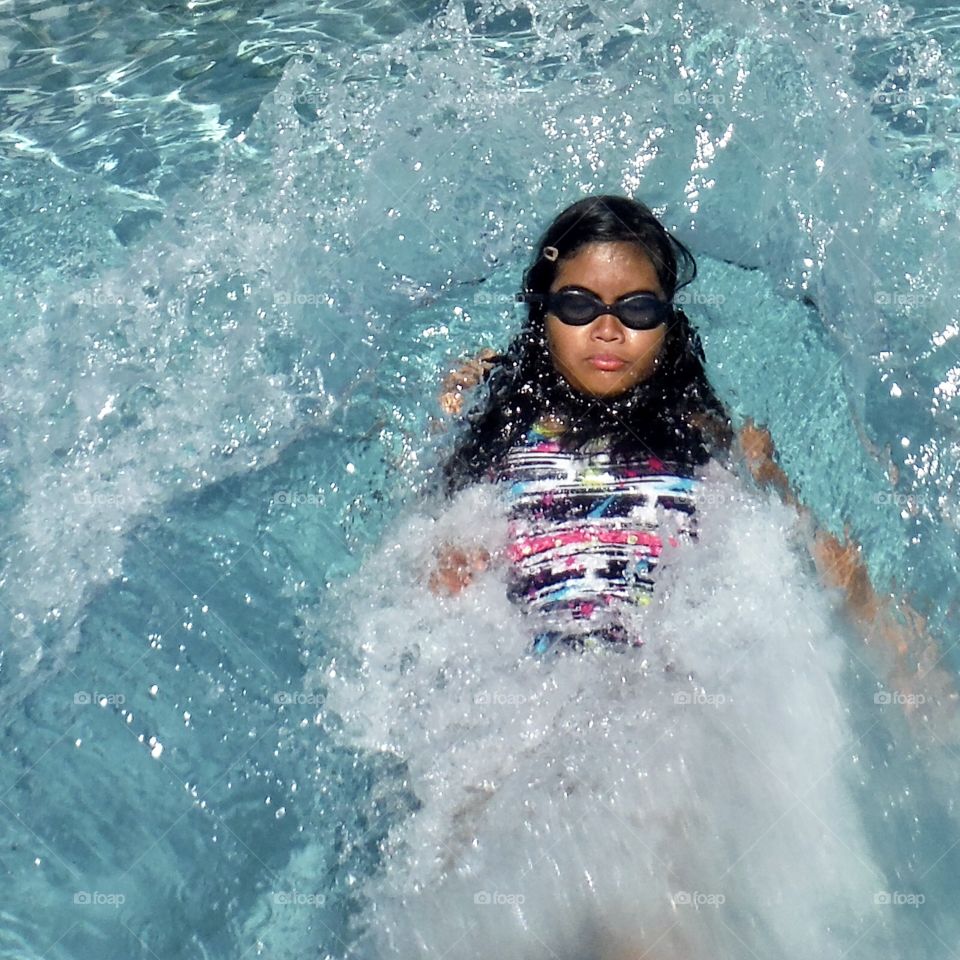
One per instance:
[(926, 690), (468, 375), (456, 567)]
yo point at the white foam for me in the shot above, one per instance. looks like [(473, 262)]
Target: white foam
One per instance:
[(690, 795)]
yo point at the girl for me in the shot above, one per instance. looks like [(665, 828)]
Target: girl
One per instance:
[(599, 426), (599, 418)]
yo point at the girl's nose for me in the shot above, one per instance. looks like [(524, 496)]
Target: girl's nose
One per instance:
[(607, 326)]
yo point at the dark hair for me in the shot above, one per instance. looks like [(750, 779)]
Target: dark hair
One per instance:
[(670, 414)]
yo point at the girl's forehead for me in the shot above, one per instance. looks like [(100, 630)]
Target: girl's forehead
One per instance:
[(618, 263)]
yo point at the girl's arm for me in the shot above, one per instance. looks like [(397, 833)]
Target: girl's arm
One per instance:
[(840, 565), (457, 565)]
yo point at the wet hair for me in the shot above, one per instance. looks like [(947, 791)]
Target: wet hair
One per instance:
[(674, 414)]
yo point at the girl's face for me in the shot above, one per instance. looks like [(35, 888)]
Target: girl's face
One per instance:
[(585, 355)]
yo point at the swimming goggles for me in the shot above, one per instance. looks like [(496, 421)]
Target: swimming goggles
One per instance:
[(577, 308)]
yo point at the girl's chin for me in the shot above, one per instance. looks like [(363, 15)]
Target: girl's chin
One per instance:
[(600, 391)]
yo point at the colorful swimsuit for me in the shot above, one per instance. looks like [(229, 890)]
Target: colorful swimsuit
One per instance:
[(585, 534)]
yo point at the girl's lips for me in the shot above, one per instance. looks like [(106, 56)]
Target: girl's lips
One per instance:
[(607, 363)]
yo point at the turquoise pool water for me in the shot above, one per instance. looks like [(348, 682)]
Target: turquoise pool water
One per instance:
[(241, 242)]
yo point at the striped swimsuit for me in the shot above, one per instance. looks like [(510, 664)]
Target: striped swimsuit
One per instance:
[(585, 535)]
